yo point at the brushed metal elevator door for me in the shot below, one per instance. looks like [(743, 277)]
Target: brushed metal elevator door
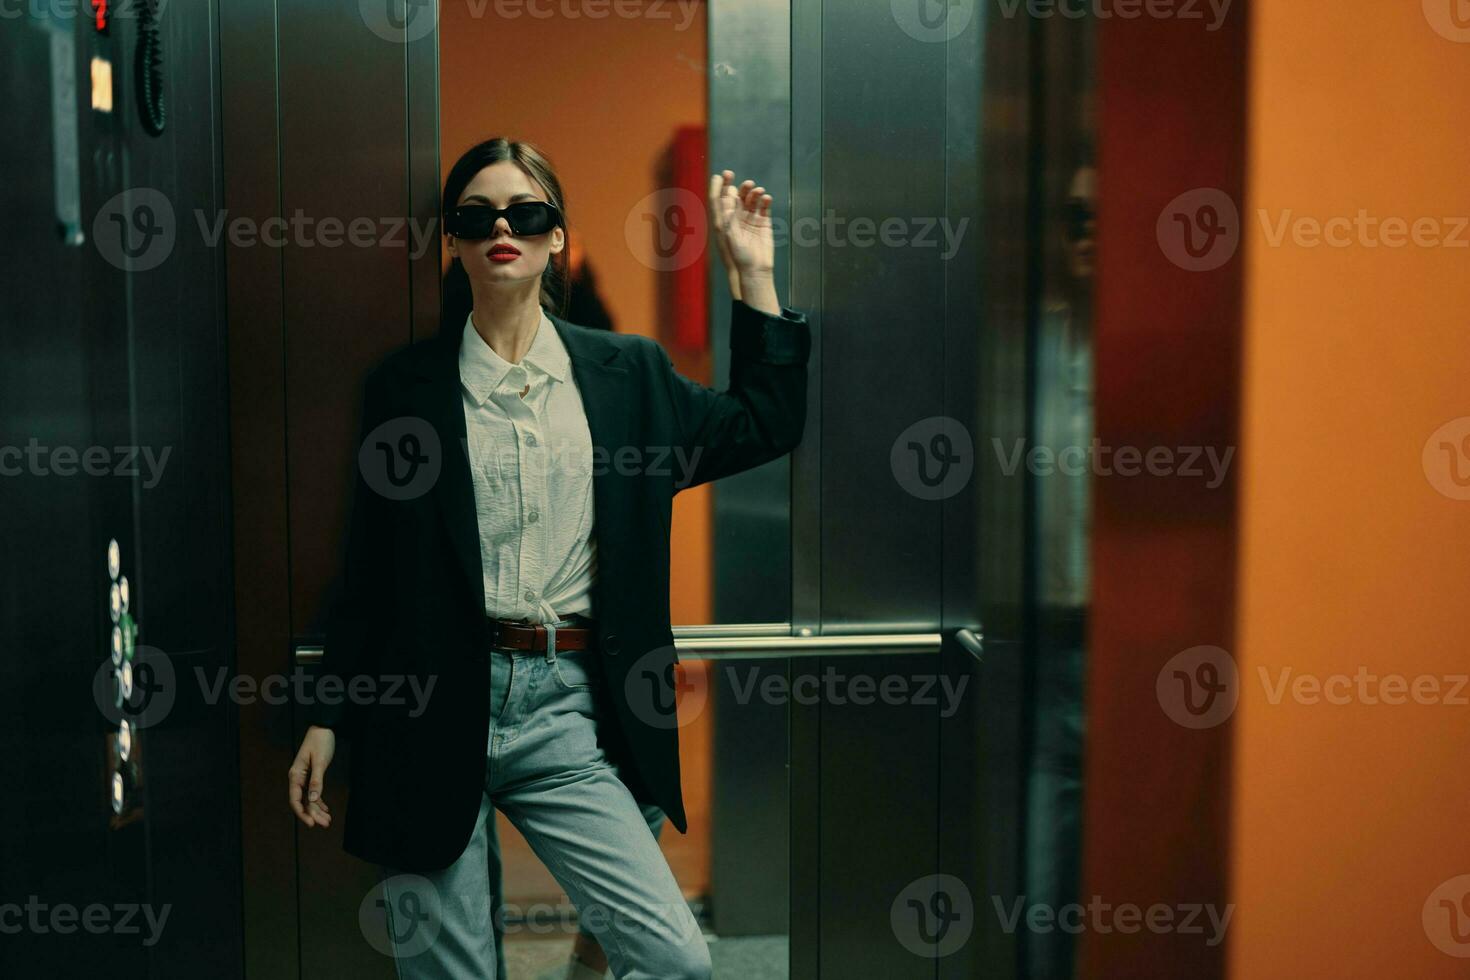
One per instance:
[(330, 125), (114, 438)]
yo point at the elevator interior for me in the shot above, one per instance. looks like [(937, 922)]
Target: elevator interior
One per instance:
[(132, 322)]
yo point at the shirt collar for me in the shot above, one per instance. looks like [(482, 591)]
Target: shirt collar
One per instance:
[(482, 371)]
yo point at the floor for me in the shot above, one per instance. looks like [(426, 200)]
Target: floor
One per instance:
[(746, 957)]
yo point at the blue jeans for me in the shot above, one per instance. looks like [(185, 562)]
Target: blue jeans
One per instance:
[(494, 871), (546, 770)]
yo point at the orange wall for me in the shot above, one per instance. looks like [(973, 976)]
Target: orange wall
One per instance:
[(1347, 817)]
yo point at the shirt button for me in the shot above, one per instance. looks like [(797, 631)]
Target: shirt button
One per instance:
[(530, 596), (531, 439), (531, 517)]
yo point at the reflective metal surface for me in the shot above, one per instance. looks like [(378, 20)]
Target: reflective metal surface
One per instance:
[(774, 640)]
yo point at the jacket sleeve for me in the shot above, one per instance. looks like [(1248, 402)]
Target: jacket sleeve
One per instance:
[(762, 413), (353, 622)]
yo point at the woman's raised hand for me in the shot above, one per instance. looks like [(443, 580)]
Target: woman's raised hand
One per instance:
[(740, 220)]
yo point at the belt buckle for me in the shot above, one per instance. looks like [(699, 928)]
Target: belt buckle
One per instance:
[(501, 639)]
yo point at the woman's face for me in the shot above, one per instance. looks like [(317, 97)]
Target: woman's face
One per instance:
[(500, 185)]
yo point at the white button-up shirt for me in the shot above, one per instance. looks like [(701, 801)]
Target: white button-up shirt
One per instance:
[(531, 461)]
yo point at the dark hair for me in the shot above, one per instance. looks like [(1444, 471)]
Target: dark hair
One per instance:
[(555, 286)]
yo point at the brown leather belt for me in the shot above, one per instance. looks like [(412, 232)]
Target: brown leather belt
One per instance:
[(517, 634)]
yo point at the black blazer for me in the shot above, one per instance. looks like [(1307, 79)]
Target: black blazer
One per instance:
[(412, 605)]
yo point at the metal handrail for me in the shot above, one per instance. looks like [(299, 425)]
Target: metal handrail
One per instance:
[(760, 641), (973, 640), (721, 643)]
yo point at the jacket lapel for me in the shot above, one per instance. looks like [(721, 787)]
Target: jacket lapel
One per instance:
[(604, 382)]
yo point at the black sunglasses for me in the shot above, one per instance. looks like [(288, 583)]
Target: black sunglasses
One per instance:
[(524, 218)]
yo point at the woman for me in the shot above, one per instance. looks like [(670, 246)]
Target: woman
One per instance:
[(502, 638)]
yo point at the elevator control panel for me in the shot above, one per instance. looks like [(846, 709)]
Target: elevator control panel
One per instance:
[(124, 764)]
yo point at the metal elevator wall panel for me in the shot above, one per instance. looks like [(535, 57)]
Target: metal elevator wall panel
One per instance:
[(113, 377), (871, 832), (989, 299), (322, 104), (749, 81), (910, 117), (346, 155)]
